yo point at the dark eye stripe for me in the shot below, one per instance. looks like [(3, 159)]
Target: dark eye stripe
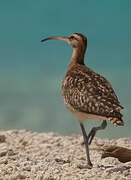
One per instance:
[(81, 35), (72, 37)]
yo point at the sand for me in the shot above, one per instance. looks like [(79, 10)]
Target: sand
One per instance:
[(49, 156)]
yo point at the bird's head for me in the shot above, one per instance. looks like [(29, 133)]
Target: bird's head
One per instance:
[(76, 40)]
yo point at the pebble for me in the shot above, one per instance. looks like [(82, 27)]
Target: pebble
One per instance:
[(49, 156), (2, 138), (3, 151)]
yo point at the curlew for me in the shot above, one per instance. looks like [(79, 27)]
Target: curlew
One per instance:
[(88, 95)]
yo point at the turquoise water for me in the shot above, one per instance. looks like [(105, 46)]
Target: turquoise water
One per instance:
[(31, 72)]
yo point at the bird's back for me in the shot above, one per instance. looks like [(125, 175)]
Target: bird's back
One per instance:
[(85, 91)]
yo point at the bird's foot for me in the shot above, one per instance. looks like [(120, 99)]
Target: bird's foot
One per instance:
[(87, 166)]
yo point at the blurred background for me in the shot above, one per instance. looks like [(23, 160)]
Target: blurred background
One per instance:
[(31, 72)]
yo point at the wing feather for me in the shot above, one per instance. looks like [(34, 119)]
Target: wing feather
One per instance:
[(86, 91)]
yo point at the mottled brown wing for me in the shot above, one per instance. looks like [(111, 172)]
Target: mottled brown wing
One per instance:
[(87, 91)]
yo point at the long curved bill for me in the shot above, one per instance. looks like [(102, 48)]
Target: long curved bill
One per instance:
[(66, 39)]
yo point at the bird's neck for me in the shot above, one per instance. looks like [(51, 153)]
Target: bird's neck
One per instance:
[(77, 57)]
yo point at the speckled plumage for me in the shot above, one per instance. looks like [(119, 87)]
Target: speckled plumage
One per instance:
[(86, 91)]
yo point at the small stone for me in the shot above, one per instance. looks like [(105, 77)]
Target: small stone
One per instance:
[(128, 177), (3, 152), (39, 177), (11, 152), (2, 138), (21, 176), (3, 160), (27, 168), (17, 176)]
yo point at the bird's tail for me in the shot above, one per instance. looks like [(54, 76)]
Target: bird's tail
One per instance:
[(116, 121)]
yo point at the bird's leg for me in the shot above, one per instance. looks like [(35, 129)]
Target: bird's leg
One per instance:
[(86, 143), (93, 131)]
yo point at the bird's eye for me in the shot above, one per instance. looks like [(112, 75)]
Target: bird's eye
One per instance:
[(72, 37)]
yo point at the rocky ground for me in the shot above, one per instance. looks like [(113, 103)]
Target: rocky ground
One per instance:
[(49, 156)]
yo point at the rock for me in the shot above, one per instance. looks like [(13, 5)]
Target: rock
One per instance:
[(17, 176), (121, 153), (2, 138), (49, 156), (3, 151)]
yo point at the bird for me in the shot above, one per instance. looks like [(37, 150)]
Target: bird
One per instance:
[(87, 94)]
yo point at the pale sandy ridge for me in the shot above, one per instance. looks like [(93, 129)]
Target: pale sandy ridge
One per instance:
[(49, 156)]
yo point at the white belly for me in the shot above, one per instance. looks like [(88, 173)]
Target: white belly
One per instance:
[(81, 116)]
